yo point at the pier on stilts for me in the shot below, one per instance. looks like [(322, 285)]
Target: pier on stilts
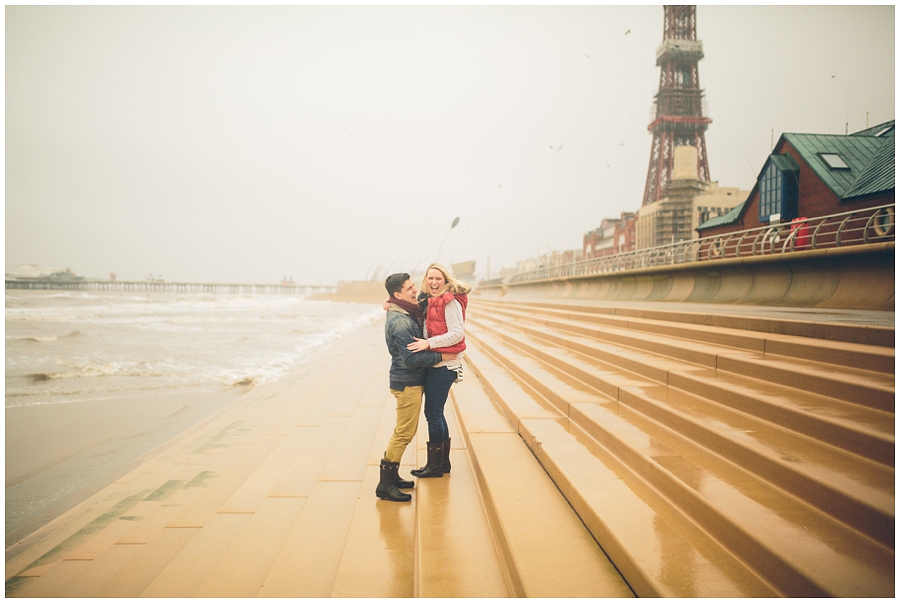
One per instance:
[(169, 287)]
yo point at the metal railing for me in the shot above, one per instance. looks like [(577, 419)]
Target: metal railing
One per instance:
[(870, 225)]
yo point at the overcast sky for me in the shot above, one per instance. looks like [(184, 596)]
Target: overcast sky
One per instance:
[(245, 144)]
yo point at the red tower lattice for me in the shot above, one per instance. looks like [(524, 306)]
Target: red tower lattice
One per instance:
[(679, 113)]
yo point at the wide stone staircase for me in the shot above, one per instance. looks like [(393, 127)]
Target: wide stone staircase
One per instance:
[(597, 450), (706, 460)]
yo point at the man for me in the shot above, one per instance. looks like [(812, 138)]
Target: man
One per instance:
[(407, 378)]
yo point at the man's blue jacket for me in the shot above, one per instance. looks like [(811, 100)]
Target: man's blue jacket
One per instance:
[(407, 368)]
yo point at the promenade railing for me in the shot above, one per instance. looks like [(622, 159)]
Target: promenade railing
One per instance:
[(870, 225)]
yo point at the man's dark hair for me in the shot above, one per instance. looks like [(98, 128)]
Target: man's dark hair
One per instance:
[(394, 283)]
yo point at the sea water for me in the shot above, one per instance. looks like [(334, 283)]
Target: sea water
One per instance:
[(68, 352), (70, 346)]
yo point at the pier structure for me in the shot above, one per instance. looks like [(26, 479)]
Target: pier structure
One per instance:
[(166, 286), (719, 429)]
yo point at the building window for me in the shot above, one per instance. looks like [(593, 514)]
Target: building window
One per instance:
[(834, 161), (779, 189)]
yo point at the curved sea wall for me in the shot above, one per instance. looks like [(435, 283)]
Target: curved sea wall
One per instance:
[(860, 277)]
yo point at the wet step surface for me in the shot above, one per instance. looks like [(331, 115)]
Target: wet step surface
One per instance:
[(778, 447), (597, 452), (274, 496)]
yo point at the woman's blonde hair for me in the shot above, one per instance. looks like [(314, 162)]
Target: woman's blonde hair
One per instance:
[(450, 284)]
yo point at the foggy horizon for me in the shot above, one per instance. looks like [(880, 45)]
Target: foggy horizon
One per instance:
[(328, 143)]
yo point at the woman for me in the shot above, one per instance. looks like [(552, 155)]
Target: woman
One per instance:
[(444, 332)]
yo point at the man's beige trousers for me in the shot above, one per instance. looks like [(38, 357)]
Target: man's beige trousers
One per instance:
[(409, 402)]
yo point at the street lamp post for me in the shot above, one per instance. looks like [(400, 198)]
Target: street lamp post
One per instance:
[(452, 226)]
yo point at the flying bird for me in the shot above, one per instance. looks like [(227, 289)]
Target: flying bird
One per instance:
[(627, 32), (587, 55)]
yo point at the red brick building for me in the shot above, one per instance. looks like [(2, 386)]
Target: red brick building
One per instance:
[(613, 236), (814, 175)]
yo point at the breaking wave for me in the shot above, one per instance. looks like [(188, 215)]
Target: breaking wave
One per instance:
[(94, 346)]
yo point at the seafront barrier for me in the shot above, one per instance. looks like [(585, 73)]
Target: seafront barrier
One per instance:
[(859, 277)]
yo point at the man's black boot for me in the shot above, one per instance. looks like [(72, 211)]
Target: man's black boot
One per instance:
[(402, 483), (387, 485)]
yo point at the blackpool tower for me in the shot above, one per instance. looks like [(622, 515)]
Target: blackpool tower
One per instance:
[(679, 117)]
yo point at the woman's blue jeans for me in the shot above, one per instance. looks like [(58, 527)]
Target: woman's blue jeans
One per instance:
[(437, 387)]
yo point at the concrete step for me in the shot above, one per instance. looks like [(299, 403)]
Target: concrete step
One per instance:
[(635, 528), (851, 427), (818, 456), (755, 335), (789, 543), (856, 491), (618, 331), (700, 344), (855, 428), (654, 357), (827, 325), (689, 413), (545, 548), (866, 388)]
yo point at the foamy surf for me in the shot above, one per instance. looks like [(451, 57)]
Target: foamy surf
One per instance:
[(83, 345)]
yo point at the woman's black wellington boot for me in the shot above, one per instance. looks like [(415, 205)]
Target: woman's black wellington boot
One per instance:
[(434, 466), (445, 456)]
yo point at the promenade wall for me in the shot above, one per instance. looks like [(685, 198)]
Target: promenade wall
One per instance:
[(859, 277)]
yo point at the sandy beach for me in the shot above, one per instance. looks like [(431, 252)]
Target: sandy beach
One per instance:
[(57, 455)]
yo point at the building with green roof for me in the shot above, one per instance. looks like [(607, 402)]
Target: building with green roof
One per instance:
[(813, 175)]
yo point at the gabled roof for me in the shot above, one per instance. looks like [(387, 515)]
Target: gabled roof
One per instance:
[(881, 130), (878, 176), (785, 163), (868, 156)]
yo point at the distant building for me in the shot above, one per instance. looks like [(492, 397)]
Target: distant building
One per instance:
[(689, 203), (464, 271), (614, 236), (506, 272), (813, 175), (32, 272), (549, 260)]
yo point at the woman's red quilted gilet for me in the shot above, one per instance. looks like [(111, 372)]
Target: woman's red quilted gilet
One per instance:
[(436, 321)]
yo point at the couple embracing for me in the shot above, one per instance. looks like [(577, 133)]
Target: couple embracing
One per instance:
[(425, 334)]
